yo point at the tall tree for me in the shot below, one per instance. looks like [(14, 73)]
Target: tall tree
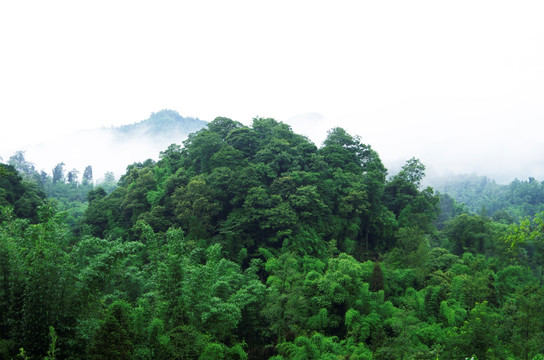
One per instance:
[(72, 176), (24, 167), (530, 232), (87, 175), (58, 173), (376, 282), (114, 337)]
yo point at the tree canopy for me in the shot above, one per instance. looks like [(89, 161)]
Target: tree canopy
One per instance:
[(250, 242)]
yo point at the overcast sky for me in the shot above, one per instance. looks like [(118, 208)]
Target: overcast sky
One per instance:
[(459, 84)]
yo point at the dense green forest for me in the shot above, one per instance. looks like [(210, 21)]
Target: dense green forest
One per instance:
[(253, 243), (481, 195)]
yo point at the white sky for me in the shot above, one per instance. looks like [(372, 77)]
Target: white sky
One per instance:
[(459, 84)]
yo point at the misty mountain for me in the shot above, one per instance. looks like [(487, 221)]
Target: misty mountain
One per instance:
[(114, 148), (165, 126)]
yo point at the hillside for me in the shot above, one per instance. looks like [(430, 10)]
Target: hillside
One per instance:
[(250, 242), (481, 195)]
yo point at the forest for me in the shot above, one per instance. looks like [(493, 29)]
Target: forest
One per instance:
[(251, 242)]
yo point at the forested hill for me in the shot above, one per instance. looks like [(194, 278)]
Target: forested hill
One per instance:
[(250, 242), (266, 186), (481, 195)]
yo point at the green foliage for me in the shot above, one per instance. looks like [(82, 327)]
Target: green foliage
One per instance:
[(113, 338), (52, 352), (24, 196), (412, 207), (315, 347), (249, 242), (505, 203), (376, 282), (467, 233), (478, 335)]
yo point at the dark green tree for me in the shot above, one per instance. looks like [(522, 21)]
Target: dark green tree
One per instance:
[(377, 281), (113, 338)]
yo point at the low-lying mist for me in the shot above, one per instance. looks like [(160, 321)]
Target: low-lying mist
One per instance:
[(502, 158), (99, 148), (500, 155), (109, 149)]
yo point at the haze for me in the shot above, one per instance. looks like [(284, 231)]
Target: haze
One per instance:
[(457, 84)]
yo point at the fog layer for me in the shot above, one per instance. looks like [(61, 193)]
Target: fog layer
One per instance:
[(109, 149)]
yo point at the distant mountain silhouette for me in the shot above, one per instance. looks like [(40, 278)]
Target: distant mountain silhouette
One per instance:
[(114, 148), (164, 126)]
